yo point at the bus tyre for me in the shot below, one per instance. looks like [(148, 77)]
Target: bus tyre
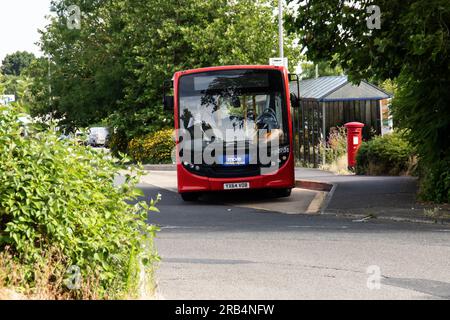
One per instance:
[(189, 197), (282, 193)]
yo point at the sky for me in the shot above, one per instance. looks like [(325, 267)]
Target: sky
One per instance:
[(19, 22)]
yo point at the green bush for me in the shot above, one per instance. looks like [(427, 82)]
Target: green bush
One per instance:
[(59, 196), (422, 105), (118, 143), (129, 125), (435, 181), (390, 154), (155, 148), (336, 145)]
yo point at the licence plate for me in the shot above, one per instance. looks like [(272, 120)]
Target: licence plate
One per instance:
[(236, 186)]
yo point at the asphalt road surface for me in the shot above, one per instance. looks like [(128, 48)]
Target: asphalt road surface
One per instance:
[(215, 251)]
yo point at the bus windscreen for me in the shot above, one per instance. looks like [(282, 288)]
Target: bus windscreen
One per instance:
[(237, 101)]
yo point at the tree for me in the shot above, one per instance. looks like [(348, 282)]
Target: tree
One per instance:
[(82, 80), (14, 63), (412, 47), (115, 65), (164, 37), (324, 68)]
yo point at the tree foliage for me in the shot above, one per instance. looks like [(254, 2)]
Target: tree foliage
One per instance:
[(82, 80), (15, 63), (412, 47), (115, 65), (323, 67), (413, 35)]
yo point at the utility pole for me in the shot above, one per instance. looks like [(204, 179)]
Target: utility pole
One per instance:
[(49, 81), (280, 27)]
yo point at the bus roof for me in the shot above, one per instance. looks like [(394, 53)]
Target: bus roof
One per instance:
[(231, 67)]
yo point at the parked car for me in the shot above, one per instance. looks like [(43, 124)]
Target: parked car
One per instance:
[(78, 136), (98, 136)]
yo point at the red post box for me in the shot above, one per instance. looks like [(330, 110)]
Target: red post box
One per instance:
[(354, 137)]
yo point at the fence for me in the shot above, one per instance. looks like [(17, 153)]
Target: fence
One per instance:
[(313, 120)]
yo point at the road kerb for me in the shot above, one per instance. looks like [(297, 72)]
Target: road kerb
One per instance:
[(316, 205), (314, 185), (320, 204), (160, 167)]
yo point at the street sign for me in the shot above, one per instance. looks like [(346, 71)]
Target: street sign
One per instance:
[(7, 99), (279, 62)]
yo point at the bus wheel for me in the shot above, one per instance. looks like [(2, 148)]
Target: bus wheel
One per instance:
[(191, 196), (282, 193)]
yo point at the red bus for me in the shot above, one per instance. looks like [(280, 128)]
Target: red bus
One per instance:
[(234, 129)]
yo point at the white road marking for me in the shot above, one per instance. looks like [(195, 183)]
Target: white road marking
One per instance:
[(318, 227)]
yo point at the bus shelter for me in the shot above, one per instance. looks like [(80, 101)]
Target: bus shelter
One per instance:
[(330, 102)]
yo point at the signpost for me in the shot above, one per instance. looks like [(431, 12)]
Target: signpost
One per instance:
[(280, 28), (279, 62), (7, 99)]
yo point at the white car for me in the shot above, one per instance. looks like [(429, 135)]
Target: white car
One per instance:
[(98, 136)]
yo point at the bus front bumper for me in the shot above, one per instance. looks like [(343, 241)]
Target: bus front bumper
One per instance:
[(189, 182)]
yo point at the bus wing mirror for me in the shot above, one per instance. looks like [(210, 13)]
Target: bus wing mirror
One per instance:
[(169, 103), (293, 77), (295, 97)]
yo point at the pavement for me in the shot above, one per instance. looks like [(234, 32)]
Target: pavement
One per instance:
[(302, 201), (378, 197), (212, 250)]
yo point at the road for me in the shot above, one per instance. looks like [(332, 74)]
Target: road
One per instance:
[(215, 251)]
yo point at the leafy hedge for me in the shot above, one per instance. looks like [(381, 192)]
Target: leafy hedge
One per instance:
[(336, 145), (155, 148), (385, 155), (59, 196), (435, 181), (422, 104), (118, 143)]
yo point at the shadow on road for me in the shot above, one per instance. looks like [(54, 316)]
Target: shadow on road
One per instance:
[(215, 213)]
